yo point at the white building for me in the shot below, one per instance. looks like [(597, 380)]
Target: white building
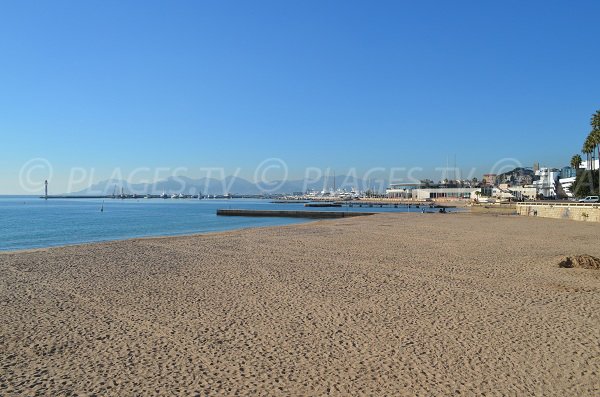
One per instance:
[(417, 191), (546, 185), (445, 192), (402, 190), (527, 192), (595, 163), (567, 185)]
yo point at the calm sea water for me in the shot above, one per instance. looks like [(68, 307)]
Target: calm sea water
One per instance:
[(28, 222)]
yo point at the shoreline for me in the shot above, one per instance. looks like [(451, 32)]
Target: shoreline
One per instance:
[(484, 212), (307, 221), (36, 231), (158, 237)]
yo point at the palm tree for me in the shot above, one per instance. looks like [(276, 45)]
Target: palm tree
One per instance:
[(576, 161), (588, 149), (595, 121), (595, 137)]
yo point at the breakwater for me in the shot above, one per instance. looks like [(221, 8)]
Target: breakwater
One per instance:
[(291, 214)]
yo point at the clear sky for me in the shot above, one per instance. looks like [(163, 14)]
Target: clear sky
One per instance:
[(102, 85)]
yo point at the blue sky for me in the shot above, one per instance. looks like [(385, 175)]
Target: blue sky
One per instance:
[(105, 85)]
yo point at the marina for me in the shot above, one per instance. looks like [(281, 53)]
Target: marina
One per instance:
[(134, 196)]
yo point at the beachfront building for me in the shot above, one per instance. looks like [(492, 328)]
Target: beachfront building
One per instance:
[(516, 192), (568, 176), (402, 190), (567, 172), (547, 182), (420, 191), (567, 179), (594, 164), (567, 185), (527, 192), (445, 193)]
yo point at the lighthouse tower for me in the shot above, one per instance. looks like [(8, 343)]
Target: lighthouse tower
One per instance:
[(46, 189)]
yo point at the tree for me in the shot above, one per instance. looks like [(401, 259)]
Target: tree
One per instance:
[(595, 146), (595, 137), (576, 161), (584, 183), (588, 149), (586, 179), (595, 121)]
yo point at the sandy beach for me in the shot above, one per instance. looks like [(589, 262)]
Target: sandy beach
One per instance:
[(393, 304)]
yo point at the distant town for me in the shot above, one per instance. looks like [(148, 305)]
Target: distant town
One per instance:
[(519, 184)]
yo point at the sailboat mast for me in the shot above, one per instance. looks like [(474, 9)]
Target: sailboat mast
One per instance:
[(334, 181)]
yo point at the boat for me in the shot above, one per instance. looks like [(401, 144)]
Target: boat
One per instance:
[(174, 196), (163, 195), (181, 195)]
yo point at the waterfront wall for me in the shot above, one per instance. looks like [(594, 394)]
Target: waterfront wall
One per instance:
[(574, 211)]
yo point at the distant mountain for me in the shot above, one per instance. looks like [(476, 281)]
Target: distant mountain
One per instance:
[(231, 184)]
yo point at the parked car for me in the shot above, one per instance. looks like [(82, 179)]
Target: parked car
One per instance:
[(590, 199)]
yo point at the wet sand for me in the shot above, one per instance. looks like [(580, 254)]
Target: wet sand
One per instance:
[(394, 304)]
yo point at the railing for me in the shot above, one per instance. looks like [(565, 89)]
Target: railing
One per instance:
[(560, 204)]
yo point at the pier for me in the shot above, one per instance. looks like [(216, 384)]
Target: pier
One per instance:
[(365, 203), (289, 202), (323, 205), (384, 204), (291, 214)]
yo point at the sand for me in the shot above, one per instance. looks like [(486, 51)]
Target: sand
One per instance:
[(394, 304)]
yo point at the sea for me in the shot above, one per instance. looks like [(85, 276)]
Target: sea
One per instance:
[(31, 222)]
